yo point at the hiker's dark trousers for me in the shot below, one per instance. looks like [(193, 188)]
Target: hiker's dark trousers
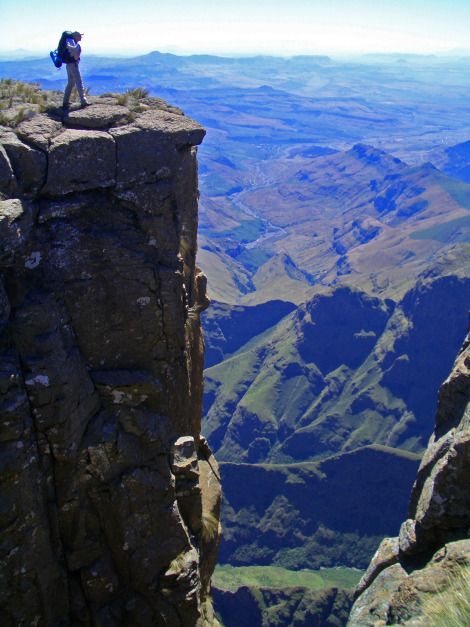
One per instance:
[(74, 80)]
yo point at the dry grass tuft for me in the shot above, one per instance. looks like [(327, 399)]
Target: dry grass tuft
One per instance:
[(450, 608), (210, 526)]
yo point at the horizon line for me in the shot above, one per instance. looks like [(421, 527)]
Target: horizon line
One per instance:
[(20, 53)]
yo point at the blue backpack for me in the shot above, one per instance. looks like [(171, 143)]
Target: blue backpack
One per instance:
[(56, 60), (61, 54)]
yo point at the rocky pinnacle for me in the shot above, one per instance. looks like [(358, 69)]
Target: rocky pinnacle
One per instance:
[(434, 541), (109, 495)]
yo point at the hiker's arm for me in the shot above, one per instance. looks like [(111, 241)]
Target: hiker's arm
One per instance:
[(74, 48)]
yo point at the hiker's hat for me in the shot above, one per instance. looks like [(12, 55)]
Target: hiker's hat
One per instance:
[(75, 32)]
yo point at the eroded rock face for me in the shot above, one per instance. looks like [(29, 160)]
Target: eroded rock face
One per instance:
[(435, 539), (106, 484)]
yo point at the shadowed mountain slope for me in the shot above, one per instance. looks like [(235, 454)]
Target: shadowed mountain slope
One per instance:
[(314, 514), (343, 371), (454, 160), (227, 328)]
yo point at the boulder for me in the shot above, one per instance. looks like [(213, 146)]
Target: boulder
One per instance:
[(399, 597), (29, 164), (386, 555), (98, 116), (143, 147), (182, 130), (80, 160), (39, 131)]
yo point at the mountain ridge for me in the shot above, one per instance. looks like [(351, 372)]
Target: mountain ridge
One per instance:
[(291, 387)]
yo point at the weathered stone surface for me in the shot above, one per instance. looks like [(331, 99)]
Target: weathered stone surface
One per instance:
[(62, 208), (371, 608), (7, 176), (444, 501), (16, 224), (413, 537), (454, 394), (29, 164), (184, 458), (144, 148), (386, 555), (80, 160), (397, 597), (143, 156), (98, 116), (110, 501), (435, 537), (39, 131), (182, 130)]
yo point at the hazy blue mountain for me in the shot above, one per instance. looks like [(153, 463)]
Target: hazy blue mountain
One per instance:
[(454, 160), (274, 124)]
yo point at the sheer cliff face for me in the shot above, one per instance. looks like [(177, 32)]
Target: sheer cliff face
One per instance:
[(109, 496), (435, 540)]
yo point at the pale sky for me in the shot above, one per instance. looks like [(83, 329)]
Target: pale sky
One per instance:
[(283, 27)]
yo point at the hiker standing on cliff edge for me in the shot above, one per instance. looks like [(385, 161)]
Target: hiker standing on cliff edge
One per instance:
[(70, 55)]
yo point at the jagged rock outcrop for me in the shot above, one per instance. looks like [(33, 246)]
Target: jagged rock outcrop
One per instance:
[(110, 497), (435, 539)]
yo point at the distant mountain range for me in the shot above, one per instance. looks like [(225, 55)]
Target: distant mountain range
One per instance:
[(359, 217)]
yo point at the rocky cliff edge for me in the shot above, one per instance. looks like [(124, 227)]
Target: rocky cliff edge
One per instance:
[(434, 542), (110, 497)]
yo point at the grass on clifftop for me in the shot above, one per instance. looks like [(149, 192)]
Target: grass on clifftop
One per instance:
[(230, 577), (20, 100), (451, 608)]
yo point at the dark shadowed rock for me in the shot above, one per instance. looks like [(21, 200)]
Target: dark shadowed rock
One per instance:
[(7, 176)]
